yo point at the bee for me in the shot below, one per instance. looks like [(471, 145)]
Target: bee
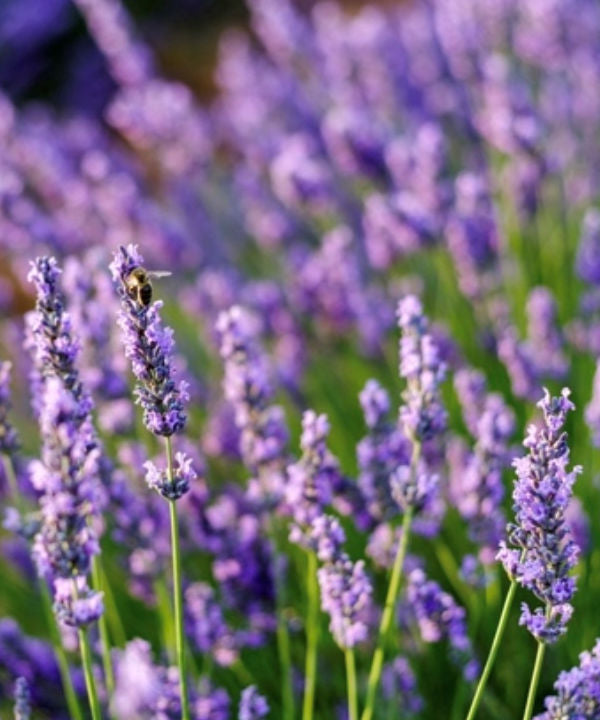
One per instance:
[(138, 284)]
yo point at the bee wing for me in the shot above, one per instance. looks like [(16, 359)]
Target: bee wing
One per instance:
[(158, 273)]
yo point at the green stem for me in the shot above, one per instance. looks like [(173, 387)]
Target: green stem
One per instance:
[(283, 650), (351, 684), (177, 592), (489, 663), (283, 635), (13, 485), (103, 628), (535, 679), (312, 638), (387, 617), (114, 618), (61, 658), (166, 617), (90, 682)]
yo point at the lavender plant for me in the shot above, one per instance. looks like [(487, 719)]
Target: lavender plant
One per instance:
[(149, 346), (543, 551)]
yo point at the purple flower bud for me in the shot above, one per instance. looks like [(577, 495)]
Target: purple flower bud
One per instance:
[(22, 699), (9, 441), (206, 625), (399, 685), (171, 488), (253, 706)]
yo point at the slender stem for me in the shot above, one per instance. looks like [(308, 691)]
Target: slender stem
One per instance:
[(535, 679), (312, 638), (283, 650), (61, 657), (109, 675), (90, 682), (177, 592), (351, 684), (283, 635), (489, 663), (166, 617), (387, 617)]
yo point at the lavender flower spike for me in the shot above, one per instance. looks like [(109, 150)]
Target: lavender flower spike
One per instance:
[(422, 414), (22, 700), (345, 588), (253, 706), (149, 347), (543, 550)]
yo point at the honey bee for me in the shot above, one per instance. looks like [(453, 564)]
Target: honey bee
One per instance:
[(138, 284)]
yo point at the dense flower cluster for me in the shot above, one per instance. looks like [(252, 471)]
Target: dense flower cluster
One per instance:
[(253, 706), (577, 691), (145, 690), (345, 587), (544, 551), (22, 700), (149, 346)]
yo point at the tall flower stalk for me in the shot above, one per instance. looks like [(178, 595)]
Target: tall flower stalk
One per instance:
[(422, 418), (543, 551), (149, 347), (67, 474)]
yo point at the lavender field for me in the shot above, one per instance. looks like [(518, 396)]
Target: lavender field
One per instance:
[(300, 360)]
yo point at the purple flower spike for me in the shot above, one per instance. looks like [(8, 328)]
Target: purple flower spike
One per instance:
[(544, 550), (422, 414), (379, 453), (22, 699), (253, 705), (149, 346), (9, 441), (577, 691), (309, 484), (263, 431)]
